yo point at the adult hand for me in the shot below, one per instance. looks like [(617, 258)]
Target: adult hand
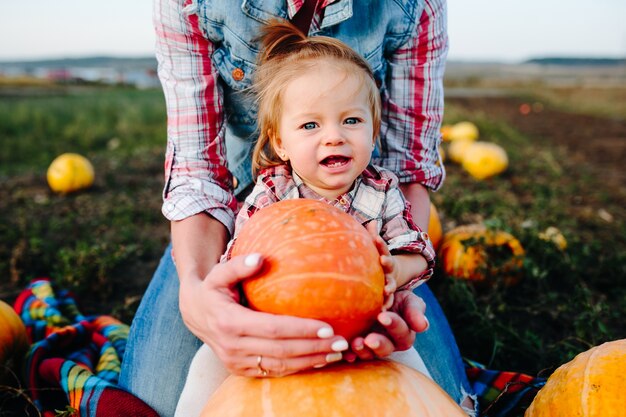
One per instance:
[(239, 336)]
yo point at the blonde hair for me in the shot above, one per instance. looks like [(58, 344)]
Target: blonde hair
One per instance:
[(286, 54)]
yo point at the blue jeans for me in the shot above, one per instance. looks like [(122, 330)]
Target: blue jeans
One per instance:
[(160, 347)]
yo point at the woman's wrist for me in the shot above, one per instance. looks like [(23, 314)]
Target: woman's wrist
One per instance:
[(198, 242)]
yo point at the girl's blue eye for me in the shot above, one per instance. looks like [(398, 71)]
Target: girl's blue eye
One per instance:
[(351, 121), (309, 126)]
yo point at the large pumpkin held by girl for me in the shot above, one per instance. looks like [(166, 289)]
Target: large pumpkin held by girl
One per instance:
[(363, 389), (320, 263)]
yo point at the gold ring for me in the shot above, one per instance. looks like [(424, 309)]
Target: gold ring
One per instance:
[(262, 371)]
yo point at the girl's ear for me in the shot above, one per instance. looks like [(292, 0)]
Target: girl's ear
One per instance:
[(277, 144)]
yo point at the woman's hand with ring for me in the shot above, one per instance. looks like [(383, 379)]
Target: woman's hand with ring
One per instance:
[(240, 336)]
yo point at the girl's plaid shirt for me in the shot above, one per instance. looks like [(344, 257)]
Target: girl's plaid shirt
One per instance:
[(375, 197)]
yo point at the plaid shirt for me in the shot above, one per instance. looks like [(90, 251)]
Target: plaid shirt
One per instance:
[(375, 197), (196, 175)]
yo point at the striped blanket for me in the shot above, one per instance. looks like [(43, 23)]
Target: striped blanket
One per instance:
[(74, 363)]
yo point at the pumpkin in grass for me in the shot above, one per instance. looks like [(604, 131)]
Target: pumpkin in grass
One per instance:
[(13, 343), (435, 231), (481, 255), (320, 263), (484, 160), (458, 149), (70, 172), (463, 131), (593, 384), (374, 388)]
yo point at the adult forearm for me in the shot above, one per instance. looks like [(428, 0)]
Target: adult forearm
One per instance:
[(198, 242), (419, 198)]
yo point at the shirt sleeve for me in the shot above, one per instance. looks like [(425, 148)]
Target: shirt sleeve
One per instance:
[(261, 196), (196, 177), (412, 102), (402, 235)]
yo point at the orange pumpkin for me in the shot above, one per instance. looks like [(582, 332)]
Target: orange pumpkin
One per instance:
[(435, 231), (375, 388), (320, 263), (590, 385), (481, 255), (13, 343)]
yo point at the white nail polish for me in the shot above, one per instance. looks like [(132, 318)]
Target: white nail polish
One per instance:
[(339, 345), (374, 345), (319, 365), (384, 320), (325, 332), (252, 260), (333, 357)]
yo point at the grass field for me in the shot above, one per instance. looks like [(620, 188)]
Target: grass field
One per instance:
[(105, 243)]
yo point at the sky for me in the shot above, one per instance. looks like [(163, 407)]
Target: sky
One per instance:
[(480, 30)]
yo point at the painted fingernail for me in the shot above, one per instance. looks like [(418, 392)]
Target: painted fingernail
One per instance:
[(373, 345), (384, 320), (325, 332), (252, 260), (333, 357), (339, 345), (427, 323)]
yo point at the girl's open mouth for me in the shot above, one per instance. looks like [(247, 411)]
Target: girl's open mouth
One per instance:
[(335, 161)]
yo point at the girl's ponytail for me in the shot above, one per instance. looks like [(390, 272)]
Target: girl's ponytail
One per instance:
[(279, 38)]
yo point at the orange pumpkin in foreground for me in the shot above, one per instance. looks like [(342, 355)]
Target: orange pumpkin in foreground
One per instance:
[(13, 343), (593, 384), (320, 263), (481, 255), (364, 389)]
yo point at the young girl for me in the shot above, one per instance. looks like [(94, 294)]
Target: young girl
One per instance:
[(319, 114)]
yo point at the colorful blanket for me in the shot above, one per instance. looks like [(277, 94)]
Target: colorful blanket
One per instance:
[(74, 361)]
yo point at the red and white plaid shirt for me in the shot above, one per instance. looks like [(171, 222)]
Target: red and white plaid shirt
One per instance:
[(375, 197), (196, 175)]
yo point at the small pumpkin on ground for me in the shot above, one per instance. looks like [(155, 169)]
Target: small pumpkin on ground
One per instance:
[(445, 132), (484, 160), (458, 149), (70, 172), (590, 385), (480, 255), (13, 344), (321, 263), (435, 231), (373, 388), (554, 235), (463, 131)]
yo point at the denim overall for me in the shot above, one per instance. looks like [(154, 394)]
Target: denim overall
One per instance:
[(160, 345)]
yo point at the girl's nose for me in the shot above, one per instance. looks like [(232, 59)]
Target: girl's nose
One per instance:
[(333, 137)]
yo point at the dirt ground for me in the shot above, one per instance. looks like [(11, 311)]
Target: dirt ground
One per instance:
[(590, 140)]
